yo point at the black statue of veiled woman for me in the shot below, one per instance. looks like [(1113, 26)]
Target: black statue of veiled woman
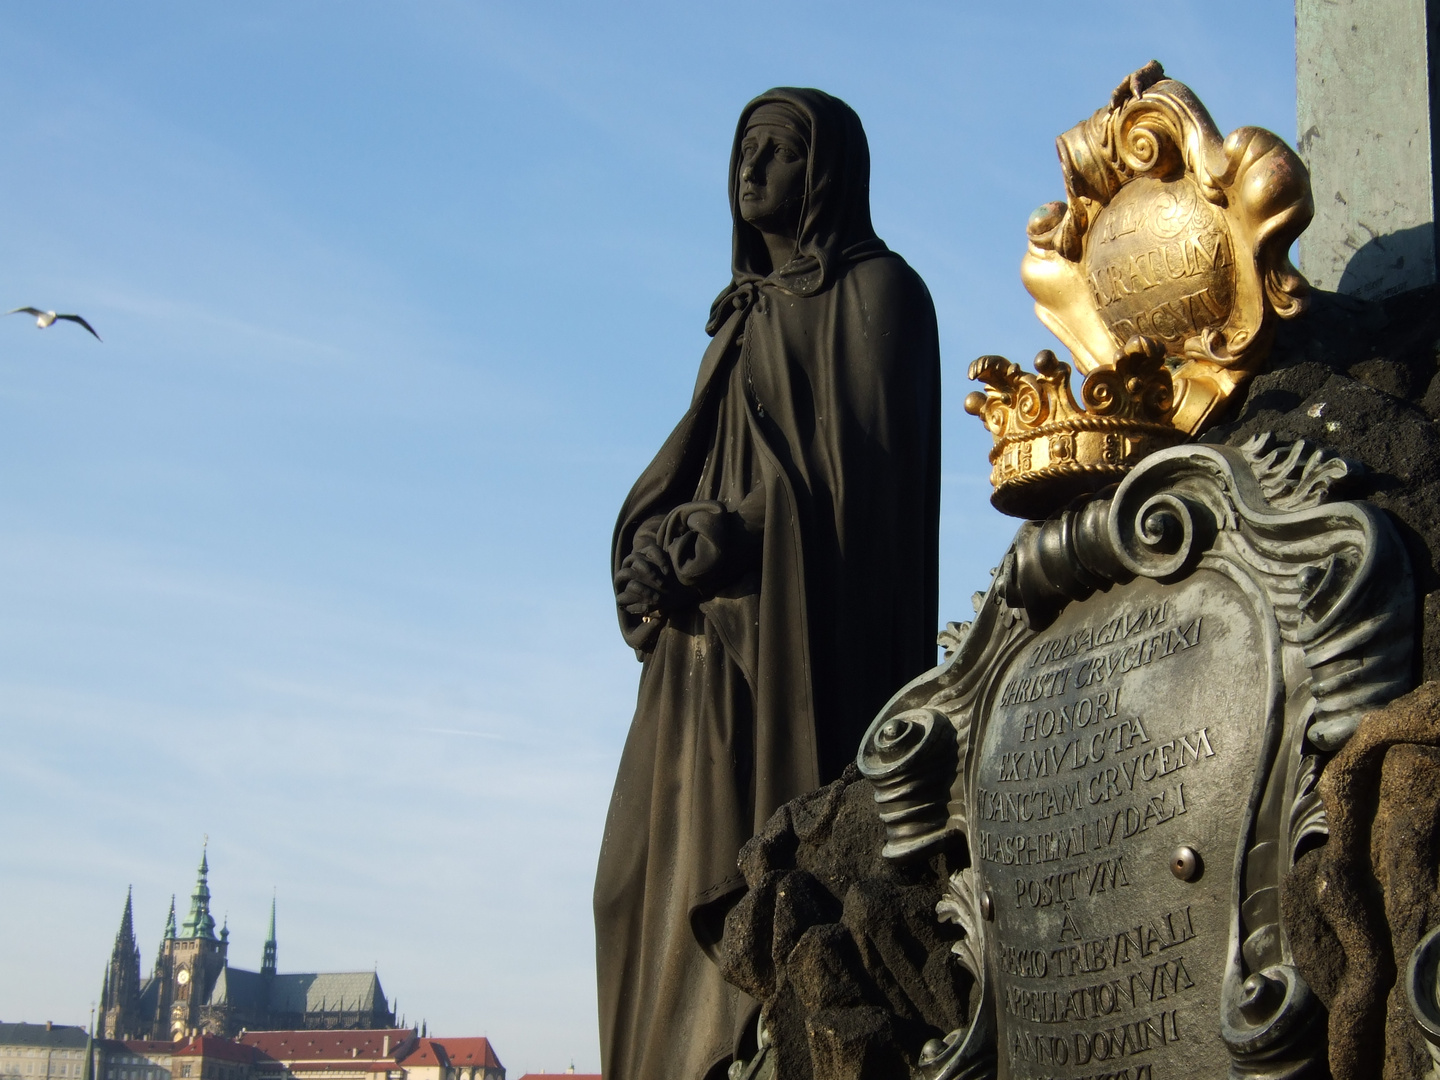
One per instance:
[(775, 570)]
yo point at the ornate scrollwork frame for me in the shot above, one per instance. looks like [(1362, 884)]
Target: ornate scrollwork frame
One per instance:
[(1332, 588)]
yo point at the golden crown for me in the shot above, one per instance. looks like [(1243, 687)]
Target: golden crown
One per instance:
[(1163, 272), (1048, 449)]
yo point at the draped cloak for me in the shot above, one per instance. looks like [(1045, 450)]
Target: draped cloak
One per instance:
[(817, 403)]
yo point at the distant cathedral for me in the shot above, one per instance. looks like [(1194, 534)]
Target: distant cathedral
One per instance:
[(194, 990)]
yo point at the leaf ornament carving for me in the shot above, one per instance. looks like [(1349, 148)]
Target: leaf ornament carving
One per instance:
[(968, 1053), (1294, 476)]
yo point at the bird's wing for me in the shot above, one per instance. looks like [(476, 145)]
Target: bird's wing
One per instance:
[(82, 322), (27, 311)]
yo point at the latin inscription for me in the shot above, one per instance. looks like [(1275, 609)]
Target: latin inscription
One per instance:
[(1106, 746), (1095, 670), (1076, 956), (1160, 263), (1095, 987)]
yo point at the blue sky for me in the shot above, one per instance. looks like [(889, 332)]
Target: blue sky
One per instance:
[(311, 555)]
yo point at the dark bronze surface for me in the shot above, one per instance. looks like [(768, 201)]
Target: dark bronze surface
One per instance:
[(775, 569)]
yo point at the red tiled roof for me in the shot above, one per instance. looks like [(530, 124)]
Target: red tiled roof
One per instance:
[(334, 1046), (212, 1046), (452, 1052), (426, 1052)]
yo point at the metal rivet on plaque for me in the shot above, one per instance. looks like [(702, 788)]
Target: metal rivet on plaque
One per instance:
[(987, 906), (1185, 863)]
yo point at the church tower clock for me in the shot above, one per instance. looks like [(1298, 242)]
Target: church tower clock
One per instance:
[(192, 960)]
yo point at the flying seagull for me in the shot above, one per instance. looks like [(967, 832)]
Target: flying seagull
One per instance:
[(47, 318)]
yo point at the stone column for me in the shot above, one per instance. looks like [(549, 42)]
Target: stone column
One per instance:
[(1365, 74)]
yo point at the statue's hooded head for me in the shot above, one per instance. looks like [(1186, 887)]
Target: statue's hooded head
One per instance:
[(834, 218)]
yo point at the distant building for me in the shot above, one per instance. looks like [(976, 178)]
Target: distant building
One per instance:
[(133, 1059), (330, 1055), (376, 1054), (42, 1051), (452, 1059), (193, 990), (387, 1054), (203, 1057), (208, 1057), (568, 1074)]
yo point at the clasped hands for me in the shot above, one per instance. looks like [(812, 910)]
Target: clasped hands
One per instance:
[(680, 558)]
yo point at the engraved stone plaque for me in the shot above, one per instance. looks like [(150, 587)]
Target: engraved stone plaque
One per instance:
[(1125, 744), (1129, 730)]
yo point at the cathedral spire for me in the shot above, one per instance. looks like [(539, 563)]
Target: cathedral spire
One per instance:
[(168, 935), (120, 993), (267, 962), (126, 932), (200, 923)]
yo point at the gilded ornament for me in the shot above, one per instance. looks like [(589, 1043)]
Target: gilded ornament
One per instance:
[(1048, 448), (1171, 244)]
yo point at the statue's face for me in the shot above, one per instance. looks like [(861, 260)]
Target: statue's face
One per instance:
[(772, 178)]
